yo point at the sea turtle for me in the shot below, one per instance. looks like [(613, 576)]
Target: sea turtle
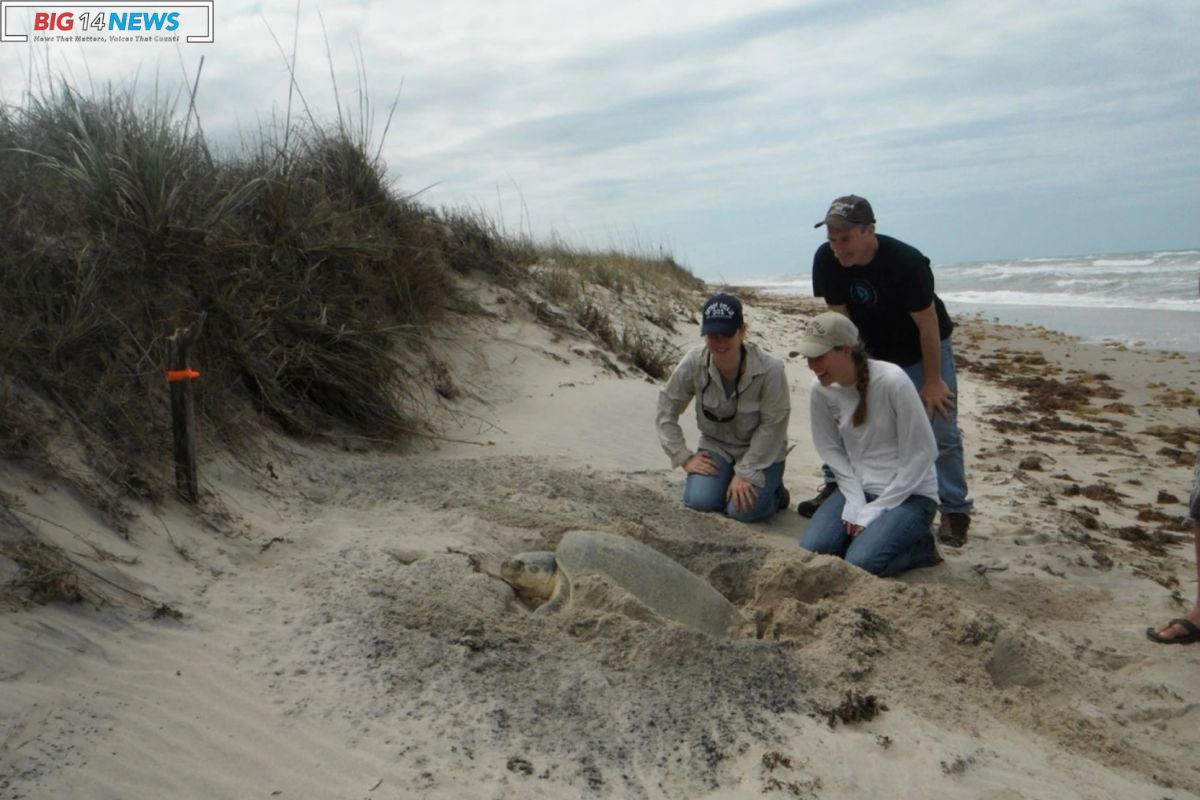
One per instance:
[(661, 584)]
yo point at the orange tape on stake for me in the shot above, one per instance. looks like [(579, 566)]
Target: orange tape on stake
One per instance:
[(188, 374)]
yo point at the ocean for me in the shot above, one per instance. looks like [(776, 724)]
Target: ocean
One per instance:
[(1145, 300)]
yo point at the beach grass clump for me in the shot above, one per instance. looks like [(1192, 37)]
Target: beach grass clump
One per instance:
[(611, 293), (652, 356), (475, 243), (319, 284), (621, 271), (44, 576), (598, 323), (560, 285), (315, 278)]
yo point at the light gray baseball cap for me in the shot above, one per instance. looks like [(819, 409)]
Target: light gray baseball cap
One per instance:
[(825, 332)]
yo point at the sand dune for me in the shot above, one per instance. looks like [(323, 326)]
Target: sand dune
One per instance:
[(336, 635)]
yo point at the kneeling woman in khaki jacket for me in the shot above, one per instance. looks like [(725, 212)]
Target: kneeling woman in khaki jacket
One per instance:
[(742, 409)]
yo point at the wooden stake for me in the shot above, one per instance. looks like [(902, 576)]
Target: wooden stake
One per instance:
[(183, 414)]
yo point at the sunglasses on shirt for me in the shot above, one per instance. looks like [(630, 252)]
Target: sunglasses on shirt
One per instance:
[(737, 388)]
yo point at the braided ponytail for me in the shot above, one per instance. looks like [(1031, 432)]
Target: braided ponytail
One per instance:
[(862, 374)]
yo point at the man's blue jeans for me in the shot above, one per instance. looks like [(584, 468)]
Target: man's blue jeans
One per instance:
[(898, 540), (707, 492), (951, 468)]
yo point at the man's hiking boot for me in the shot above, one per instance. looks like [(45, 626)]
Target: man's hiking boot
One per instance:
[(806, 508), (937, 554), (952, 530), (785, 498)]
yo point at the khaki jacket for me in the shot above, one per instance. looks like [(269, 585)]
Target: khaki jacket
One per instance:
[(755, 438)]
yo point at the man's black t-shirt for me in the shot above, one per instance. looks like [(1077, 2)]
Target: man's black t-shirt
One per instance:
[(881, 297)]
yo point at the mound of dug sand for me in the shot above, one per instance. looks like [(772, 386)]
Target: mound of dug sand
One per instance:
[(607, 698)]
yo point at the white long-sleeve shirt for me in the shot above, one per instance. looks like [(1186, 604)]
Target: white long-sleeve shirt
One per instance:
[(891, 455)]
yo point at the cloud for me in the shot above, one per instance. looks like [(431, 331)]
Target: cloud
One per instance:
[(707, 123)]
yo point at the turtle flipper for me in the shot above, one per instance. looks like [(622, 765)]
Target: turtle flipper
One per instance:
[(562, 593)]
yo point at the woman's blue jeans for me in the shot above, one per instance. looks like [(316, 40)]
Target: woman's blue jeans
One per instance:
[(707, 492), (898, 540)]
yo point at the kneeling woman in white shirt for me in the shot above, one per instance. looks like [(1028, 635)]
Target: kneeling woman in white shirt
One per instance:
[(869, 426)]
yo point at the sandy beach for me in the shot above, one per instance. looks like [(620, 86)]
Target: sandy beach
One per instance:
[(327, 625)]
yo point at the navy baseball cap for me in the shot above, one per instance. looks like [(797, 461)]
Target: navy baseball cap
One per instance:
[(722, 315)]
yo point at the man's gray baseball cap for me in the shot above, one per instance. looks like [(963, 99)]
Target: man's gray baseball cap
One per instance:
[(848, 211)]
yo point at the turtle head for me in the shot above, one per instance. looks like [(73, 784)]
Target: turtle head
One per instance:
[(532, 574)]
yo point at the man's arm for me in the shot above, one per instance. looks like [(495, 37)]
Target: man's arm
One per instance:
[(935, 394)]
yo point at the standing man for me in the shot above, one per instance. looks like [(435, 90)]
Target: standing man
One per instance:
[(886, 288)]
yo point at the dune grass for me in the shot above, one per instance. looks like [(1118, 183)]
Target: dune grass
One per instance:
[(320, 282)]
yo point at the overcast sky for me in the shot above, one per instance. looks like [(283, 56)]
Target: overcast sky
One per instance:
[(720, 130)]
